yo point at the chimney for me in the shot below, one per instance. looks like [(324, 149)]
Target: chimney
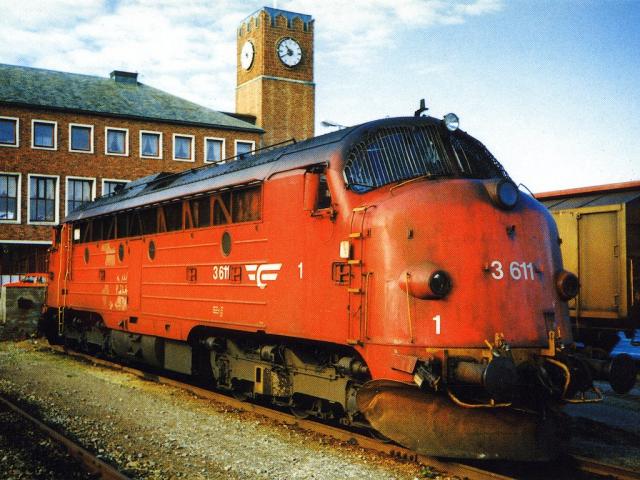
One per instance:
[(124, 77)]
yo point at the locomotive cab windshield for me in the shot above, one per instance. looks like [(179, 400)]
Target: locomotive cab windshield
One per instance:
[(394, 154)]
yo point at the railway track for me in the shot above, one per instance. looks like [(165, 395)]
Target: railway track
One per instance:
[(87, 460), (584, 466)]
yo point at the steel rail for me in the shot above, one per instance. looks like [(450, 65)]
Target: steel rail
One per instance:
[(599, 468), (452, 468), (88, 460)]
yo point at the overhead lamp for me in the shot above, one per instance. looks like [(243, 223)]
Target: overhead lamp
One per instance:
[(451, 121)]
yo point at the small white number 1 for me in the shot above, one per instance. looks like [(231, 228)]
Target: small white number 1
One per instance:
[(437, 320), (300, 268)]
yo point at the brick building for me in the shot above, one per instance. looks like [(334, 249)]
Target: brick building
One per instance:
[(67, 138)]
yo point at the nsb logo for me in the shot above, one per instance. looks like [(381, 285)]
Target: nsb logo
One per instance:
[(263, 273)]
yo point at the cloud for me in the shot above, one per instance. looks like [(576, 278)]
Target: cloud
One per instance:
[(188, 47), (352, 32)]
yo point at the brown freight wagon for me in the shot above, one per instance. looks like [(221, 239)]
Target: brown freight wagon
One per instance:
[(600, 232)]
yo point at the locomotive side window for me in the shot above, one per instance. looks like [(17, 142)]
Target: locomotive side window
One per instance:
[(245, 205), (400, 153), (109, 228), (82, 232), (135, 224), (221, 208), (201, 212), (231, 206), (122, 221), (96, 230), (173, 216), (324, 195), (149, 221)]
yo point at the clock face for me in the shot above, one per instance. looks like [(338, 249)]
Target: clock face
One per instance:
[(289, 52), (246, 55)]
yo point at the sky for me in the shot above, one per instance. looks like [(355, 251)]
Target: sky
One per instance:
[(550, 87)]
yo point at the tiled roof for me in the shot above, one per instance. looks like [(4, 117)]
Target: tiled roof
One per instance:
[(86, 93)]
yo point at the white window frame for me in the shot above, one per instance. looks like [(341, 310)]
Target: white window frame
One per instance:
[(17, 120), (224, 149), (235, 146), (18, 198), (104, 180), (126, 141), (66, 190), (57, 199), (91, 141), (193, 147), (159, 157), (33, 134)]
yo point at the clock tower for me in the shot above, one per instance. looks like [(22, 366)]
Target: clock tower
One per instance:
[(275, 73)]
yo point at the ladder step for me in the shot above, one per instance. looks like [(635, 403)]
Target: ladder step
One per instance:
[(354, 290), (355, 235), (360, 209), (354, 262)]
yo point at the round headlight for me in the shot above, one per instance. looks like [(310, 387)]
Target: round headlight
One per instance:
[(567, 285), (507, 194), (440, 283), (451, 121)]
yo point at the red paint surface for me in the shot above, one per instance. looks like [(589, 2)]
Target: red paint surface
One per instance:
[(454, 225)]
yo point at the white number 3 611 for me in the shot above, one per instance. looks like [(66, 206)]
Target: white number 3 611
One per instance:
[(517, 270)]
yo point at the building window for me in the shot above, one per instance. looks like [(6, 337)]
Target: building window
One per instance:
[(213, 150), (244, 147), (80, 138), (183, 147), (43, 199), (8, 132), (150, 144), (9, 197), (109, 187), (79, 191), (116, 141), (43, 134)]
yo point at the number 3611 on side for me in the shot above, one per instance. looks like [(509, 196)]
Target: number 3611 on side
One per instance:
[(516, 270)]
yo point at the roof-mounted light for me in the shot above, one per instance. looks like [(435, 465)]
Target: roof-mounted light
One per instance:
[(503, 192), (451, 121)]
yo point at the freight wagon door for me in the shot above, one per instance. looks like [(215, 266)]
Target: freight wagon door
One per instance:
[(599, 264)]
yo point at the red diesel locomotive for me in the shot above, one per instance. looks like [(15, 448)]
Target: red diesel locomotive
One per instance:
[(388, 275)]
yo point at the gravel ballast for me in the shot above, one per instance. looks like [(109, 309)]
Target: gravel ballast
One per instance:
[(27, 453), (154, 431)]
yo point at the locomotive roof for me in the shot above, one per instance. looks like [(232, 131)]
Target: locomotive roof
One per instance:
[(161, 187)]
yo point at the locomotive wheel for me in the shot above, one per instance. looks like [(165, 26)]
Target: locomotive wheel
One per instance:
[(301, 407), (241, 390), (379, 436), (240, 396), (298, 412)]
